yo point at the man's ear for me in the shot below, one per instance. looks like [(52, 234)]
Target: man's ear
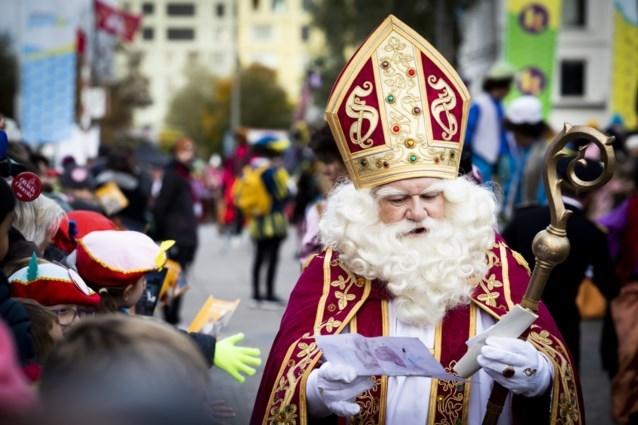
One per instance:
[(127, 292)]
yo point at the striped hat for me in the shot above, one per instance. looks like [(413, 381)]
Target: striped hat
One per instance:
[(51, 284)]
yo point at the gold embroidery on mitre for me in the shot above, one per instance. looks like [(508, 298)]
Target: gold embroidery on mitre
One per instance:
[(357, 108), (412, 97), (446, 101)]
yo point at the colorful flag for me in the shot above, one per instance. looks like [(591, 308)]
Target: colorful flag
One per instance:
[(116, 22), (624, 92), (530, 46)]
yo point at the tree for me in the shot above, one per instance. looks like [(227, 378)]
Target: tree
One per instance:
[(201, 110), (346, 23), (125, 95), (188, 107), (8, 76)]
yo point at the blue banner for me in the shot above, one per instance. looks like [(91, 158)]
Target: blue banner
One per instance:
[(47, 70)]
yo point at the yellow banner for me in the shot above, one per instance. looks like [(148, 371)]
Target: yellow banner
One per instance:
[(624, 101)]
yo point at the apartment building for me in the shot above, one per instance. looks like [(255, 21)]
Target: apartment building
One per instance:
[(174, 35), (581, 88)]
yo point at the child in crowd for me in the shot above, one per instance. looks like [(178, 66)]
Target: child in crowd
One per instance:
[(115, 262), (46, 328), (59, 289), (122, 369)]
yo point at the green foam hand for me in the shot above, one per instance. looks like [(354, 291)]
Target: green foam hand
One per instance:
[(236, 360)]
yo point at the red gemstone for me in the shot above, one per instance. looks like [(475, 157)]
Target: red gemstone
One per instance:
[(396, 128), (411, 72)]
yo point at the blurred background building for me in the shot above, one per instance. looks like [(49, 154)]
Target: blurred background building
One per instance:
[(200, 68), (177, 35), (583, 65)]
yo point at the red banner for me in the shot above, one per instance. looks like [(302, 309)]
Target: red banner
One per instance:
[(115, 21)]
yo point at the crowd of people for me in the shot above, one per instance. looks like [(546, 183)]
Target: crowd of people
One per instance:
[(397, 234)]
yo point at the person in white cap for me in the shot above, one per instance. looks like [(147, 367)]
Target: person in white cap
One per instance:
[(520, 174), (486, 135)]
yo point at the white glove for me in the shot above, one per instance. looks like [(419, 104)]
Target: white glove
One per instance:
[(516, 365), (331, 388)]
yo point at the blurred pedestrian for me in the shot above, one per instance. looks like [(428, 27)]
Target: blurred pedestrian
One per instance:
[(261, 193), (330, 170), (520, 170), (485, 134), (622, 225), (588, 248), (121, 168), (174, 215)]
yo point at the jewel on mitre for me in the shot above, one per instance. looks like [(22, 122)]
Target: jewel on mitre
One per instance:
[(398, 109), (117, 258), (51, 284), (77, 224)]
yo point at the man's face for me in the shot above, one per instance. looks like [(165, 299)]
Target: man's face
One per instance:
[(412, 199), (330, 174), (186, 154)]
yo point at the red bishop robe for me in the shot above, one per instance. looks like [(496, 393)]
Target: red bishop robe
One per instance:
[(328, 298)]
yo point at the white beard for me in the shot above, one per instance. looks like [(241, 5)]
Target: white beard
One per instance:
[(427, 273)]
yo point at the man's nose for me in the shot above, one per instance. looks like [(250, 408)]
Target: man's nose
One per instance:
[(416, 210)]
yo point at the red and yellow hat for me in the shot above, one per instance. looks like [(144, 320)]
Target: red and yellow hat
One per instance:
[(118, 258), (398, 109), (51, 284), (77, 224)]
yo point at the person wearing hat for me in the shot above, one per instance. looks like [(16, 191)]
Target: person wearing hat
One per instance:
[(59, 289), (485, 135), (521, 170), (411, 251), (115, 262), (76, 224), (261, 194), (12, 313), (588, 252), (174, 215)]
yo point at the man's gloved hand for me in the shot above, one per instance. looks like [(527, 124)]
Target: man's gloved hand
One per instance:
[(331, 388), (516, 365), (236, 360)]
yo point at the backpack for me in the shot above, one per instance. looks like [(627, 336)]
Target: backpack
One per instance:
[(250, 193)]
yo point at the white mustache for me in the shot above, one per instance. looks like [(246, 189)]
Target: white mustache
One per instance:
[(406, 227)]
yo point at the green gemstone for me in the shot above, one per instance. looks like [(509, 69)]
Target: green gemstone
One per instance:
[(412, 158), (390, 98)]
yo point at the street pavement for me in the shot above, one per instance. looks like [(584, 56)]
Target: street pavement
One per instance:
[(222, 268)]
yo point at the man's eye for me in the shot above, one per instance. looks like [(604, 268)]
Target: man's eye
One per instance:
[(396, 201), (428, 196)]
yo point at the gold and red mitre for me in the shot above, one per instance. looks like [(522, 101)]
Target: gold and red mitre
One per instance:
[(398, 109)]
